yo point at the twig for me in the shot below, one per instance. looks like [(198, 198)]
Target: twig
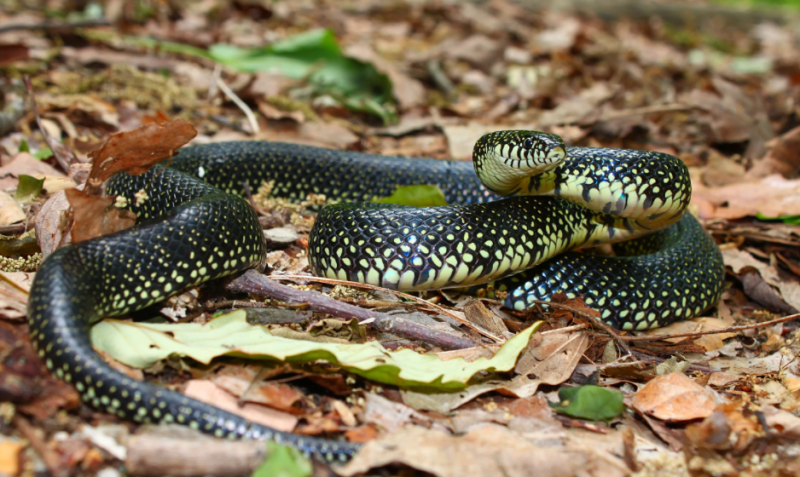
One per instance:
[(730, 329), (438, 308), (251, 118), (658, 108), (64, 156), (565, 329), (257, 284), (51, 460), (15, 228), (596, 321), (95, 22)]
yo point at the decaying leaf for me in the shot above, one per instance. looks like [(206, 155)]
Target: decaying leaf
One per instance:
[(135, 152), (674, 397), (142, 344), (486, 450), (95, 216)]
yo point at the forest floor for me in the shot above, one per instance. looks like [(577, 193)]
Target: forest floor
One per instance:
[(719, 396)]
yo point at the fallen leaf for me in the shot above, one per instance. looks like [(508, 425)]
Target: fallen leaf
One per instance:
[(708, 342), (772, 196), (10, 453), (487, 450), (477, 313), (409, 92), (9, 53), (209, 392), (576, 108), (135, 152), (739, 259), (94, 216), (24, 163), (674, 397), (783, 156), (550, 358), (10, 210), (727, 428), (478, 49), (244, 383), (142, 344), (392, 416)]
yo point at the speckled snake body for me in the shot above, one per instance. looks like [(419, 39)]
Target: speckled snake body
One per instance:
[(194, 226)]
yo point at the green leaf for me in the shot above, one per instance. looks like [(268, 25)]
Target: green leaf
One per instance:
[(43, 153), (23, 146), (142, 344), (786, 219), (283, 461), (590, 402), (28, 188), (316, 57), (415, 196)]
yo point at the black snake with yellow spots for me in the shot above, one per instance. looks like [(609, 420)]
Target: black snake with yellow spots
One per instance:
[(194, 226)]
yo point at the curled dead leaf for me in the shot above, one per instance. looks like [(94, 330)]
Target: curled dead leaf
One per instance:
[(95, 216), (674, 397), (729, 427), (135, 152)]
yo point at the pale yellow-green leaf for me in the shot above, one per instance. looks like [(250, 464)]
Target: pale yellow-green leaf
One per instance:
[(142, 344)]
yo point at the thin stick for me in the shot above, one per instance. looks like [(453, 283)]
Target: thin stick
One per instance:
[(596, 321), (255, 283), (658, 108), (730, 329), (251, 118), (439, 308), (51, 460)]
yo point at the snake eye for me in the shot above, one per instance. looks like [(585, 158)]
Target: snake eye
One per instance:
[(528, 143)]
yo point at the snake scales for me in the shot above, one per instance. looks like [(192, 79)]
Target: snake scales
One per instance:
[(194, 226)]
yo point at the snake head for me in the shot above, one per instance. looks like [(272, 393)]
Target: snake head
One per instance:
[(505, 160)]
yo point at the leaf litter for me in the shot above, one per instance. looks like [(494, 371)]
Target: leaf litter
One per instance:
[(426, 79)]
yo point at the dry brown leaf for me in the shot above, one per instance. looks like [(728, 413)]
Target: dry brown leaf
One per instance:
[(772, 196), (10, 210), (135, 152), (209, 392), (392, 416), (783, 157), (733, 115), (789, 289), (478, 49), (674, 397), (721, 171), (708, 342), (95, 216), (477, 313), (241, 381), (487, 450), (757, 289), (577, 107), (409, 92), (727, 428), (551, 358), (11, 52)]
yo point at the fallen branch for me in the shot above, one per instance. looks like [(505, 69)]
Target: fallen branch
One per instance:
[(254, 283), (50, 458), (434, 306)]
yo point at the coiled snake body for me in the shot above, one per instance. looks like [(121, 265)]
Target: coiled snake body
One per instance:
[(194, 226)]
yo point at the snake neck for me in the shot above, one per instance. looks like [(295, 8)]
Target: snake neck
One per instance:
[(649, 190)]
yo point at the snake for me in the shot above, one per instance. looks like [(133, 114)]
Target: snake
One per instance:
[(517, 215)]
